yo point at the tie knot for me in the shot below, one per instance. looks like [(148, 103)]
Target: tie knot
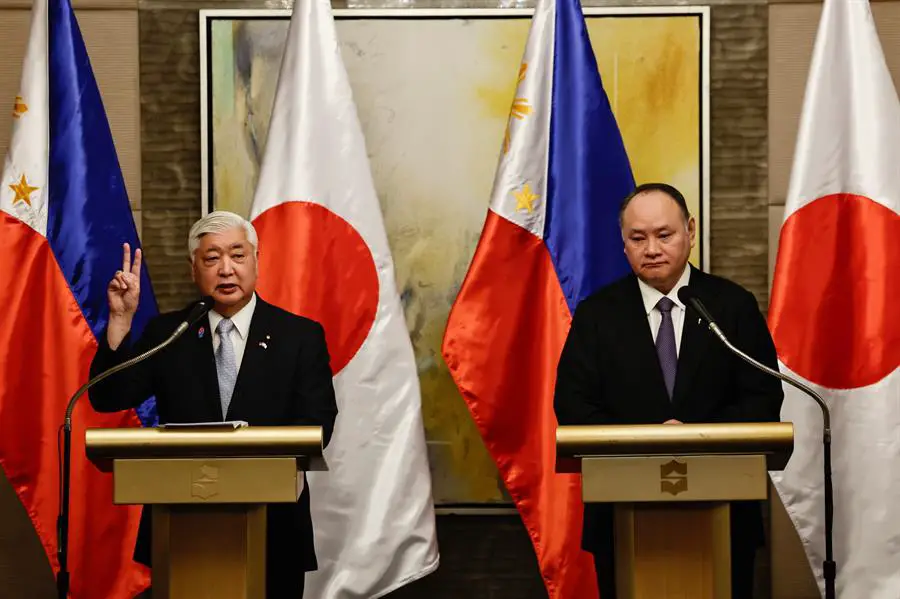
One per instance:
[(665, 305), (225, 326)]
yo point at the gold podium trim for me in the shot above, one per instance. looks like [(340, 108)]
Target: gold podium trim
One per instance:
[(103, 445), (775, 440)]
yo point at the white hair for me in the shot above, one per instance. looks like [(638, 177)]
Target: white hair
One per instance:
[(218, 222)]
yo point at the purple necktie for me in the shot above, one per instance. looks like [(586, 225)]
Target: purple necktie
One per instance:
[(665, 344)]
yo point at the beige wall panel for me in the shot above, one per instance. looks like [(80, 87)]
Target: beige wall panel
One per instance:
[(111, 37), (792, 31)]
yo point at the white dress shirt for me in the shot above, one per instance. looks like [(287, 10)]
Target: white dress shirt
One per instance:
[(239, 332), (651, 296)]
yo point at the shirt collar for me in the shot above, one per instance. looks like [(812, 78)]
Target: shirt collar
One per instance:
[(652, 296), (241, 320)]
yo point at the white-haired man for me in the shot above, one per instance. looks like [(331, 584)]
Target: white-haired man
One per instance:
[(248, 360)]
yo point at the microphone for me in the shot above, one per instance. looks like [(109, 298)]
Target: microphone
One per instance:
[(62, 523), (829, 568)]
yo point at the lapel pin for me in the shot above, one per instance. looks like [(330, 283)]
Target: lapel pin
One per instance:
[(263, 345), (201, 332)]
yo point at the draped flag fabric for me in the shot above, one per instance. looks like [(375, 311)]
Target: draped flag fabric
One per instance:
[(832, 313), (550, 239), (64, 215), (324, 254)]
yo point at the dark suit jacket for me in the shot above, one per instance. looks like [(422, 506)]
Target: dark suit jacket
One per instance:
[(289, 382), (609, 373)]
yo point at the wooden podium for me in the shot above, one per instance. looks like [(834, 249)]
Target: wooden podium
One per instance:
[(671, 485), (208, 488)]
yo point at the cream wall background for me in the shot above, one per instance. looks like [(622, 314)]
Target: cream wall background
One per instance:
[(114, 39)]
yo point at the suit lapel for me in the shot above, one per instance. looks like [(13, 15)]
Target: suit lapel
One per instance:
[(200, 337), (694, 341), (253, 363)]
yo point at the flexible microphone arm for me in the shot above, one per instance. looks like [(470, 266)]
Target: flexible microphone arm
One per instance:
[(62, 522), (829, 568)]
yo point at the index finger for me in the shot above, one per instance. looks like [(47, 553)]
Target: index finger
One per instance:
[(136, 267), (126, 257)]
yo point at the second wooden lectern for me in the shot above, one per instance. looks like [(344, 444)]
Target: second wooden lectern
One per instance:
[(208, 488), (671, 486)]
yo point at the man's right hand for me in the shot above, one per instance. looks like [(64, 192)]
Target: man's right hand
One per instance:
[(123, 294)]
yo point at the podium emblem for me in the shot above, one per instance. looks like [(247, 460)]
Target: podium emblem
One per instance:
[(205, 482), (673, 477)]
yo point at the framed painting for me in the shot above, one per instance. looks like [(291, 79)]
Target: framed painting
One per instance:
[(433, 89)]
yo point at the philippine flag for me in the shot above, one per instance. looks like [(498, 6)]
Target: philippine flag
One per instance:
[(64, 215), (551, 238)]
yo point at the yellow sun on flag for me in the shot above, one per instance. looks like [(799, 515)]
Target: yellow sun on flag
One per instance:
[(19, 107), (520, 108)]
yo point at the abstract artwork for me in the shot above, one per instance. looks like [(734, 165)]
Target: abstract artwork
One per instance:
[(434, 90)]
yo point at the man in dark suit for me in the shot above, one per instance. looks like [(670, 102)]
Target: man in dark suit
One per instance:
[(636, 355), (248, 360)]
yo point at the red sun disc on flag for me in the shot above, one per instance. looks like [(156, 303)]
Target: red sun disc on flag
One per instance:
[(833, 314), (314, 263)]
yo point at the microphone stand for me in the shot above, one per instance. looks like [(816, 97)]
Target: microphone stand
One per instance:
[(829, 568), (62, 522)]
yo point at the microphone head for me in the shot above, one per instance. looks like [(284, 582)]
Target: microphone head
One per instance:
[(199, 310), (686, 294)]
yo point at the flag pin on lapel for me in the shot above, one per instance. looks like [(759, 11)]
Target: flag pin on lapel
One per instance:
[(201, 332)]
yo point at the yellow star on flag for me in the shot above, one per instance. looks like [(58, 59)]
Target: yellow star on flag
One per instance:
[(525, 198), (23, 191)]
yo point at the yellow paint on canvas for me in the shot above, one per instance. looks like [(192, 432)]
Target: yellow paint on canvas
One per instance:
[(651, 72)]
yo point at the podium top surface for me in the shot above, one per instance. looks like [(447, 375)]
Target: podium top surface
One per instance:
[(773, 439), (302, 442)]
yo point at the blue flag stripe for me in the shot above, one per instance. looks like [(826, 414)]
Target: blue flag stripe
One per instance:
[(588, 172), (89, 217)]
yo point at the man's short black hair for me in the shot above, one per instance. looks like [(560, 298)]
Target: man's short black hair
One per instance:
[(667, 189)]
